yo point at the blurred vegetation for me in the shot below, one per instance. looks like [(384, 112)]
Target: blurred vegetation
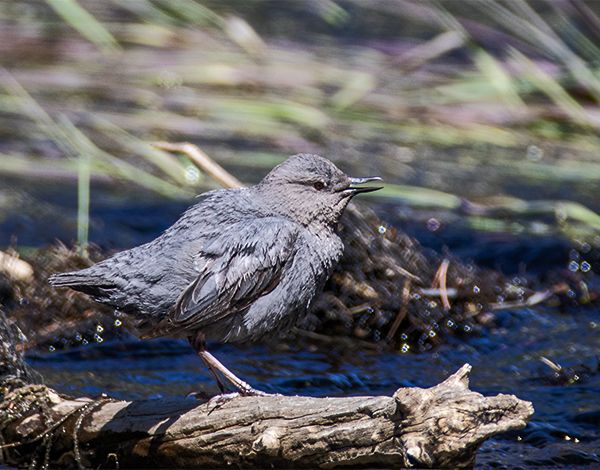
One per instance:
[(479, 112), (445, 100)]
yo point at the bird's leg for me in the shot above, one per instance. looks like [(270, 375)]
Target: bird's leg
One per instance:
[(213, 372), (198, 342), (214, 366), (244, 388)]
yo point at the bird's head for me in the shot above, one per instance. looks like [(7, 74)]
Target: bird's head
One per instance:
[(310, 190)]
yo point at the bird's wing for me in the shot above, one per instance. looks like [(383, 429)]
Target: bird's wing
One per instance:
[(236, 267)]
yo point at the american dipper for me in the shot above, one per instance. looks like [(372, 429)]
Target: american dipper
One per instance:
[(239, 265)]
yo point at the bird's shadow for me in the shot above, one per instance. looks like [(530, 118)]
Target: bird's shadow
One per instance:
[(147, 419)]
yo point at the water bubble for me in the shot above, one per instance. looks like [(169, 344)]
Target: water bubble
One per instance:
[(51, 349), (405, 348), (450, 323), (574, 255), (585, 266), (433, 225), (534, 153), (585, 248), (382, 229), (573, 266), (403, 336), (516, 281), (192, 174), (118, 322), (84, 342), (467, 328), (431, 334), (560, 213), (98, 338), (99, 329), (476, 289)]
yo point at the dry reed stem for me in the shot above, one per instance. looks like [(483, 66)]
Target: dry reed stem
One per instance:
[(203, 161)]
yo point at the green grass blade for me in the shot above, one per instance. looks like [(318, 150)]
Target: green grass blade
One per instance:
[(163, 160), (78, 18), (500, 80), (83, 202), (548, 85), (417, 197), (83, 145)]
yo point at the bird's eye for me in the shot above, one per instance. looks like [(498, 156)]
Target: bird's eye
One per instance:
[(319, 185)]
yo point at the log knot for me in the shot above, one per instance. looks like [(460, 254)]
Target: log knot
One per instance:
[(268, 441), (438, 424)]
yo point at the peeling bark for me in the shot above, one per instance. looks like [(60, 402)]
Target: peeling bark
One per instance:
[(442, 426)]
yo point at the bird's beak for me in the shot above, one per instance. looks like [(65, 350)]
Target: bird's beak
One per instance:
[(366, 189)]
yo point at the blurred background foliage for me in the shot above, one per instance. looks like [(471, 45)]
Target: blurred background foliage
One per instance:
[(480, 112)]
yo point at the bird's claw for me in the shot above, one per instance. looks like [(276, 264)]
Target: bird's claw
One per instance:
[(201, 395), (222, 398), (252, 392)]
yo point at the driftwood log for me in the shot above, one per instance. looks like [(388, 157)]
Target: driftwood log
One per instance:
[(442, 426)]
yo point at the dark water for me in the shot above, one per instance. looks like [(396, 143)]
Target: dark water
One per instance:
[(565, 429), (564, 432)]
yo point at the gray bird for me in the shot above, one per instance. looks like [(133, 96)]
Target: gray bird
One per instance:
[(239, 265)]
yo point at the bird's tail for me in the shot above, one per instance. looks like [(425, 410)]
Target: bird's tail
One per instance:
[(83, 281), (63, 279), (70, 279)]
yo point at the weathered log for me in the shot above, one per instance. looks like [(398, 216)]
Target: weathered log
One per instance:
[(442, 426)]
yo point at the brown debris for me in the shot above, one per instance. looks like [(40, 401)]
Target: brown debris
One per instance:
[(51, 319)]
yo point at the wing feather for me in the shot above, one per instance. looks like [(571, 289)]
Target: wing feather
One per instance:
[(235, 268)]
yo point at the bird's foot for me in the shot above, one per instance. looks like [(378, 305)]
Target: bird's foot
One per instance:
[(252, 392), (225, 397), (219, 400)]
